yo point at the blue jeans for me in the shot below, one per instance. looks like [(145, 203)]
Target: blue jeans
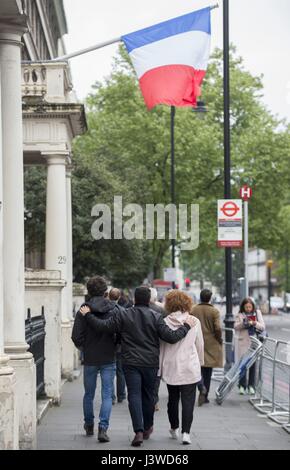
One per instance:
[(107, 373), (140, 383)]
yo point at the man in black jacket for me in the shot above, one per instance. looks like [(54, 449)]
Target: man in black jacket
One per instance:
[(140, 329), (98, 355)]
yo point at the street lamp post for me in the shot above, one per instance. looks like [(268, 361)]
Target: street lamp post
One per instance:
[(173, 241), (229, 319), (200, 109), (269, 266)]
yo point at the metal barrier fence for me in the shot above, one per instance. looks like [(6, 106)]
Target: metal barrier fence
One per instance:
[(273, 382), (228, 350), (272, 377), (239, 369), (35, 336)]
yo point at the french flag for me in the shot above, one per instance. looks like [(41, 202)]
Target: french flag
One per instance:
[(171, 58)]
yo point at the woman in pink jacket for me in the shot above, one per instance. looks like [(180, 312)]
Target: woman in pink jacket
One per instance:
[(180, 364), (249, 322)]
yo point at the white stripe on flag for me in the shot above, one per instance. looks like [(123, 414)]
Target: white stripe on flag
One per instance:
[(191, 48)]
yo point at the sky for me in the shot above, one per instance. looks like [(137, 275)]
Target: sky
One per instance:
[(258, 28)]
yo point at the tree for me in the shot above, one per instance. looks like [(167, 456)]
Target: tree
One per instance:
[(127, 152)]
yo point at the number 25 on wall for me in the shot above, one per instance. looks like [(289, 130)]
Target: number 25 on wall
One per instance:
[(62, 260)]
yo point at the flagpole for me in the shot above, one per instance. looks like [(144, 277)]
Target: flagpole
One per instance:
[(229, 319), (85, 51), (99, 45)]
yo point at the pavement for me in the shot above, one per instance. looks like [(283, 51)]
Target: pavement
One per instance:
[(235, 425)]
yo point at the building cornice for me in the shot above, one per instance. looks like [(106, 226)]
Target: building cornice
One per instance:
[(74, 112)]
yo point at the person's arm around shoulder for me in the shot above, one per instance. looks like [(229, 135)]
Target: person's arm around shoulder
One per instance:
[(79, 330), (110, 325), (172, 336)]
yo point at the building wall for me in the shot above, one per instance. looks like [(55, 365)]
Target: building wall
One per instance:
[(47, 25)]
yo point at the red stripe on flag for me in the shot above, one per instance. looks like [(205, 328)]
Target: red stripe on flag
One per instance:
[(174, 85)]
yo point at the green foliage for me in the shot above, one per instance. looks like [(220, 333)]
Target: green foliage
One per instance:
[(126, 152), (35, 202)]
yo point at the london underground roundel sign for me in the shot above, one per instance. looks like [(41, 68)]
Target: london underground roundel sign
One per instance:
[(230, 223), (230, 209)]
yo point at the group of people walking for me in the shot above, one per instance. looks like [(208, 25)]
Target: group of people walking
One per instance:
[(177, 342)]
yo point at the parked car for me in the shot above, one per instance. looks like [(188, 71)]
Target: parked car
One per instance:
[(277, 303)]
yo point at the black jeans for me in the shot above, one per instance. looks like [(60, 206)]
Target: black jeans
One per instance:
[(140, 383), (121, 384), (252, 376), (156, 390), (187, 394), (206, 373)]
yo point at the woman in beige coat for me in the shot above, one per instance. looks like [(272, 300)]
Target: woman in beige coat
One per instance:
[(180, 364), (249, 322)]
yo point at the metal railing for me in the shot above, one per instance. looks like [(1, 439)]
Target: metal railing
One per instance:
[(228, 350), (273, 384), (238, 370), (35, 336)]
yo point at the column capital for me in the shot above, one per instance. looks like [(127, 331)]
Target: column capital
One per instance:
[(61, 158), (12, 29)]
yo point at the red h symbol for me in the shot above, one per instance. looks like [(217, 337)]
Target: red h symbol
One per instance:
[(246, 193)]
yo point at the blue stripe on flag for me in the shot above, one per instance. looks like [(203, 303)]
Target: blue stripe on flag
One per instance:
[(195, 21)]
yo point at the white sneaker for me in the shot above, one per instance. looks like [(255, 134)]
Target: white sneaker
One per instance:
[(186, 438), (174, 433), (252, 391)]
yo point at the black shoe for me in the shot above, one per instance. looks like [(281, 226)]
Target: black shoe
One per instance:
[(103, 436), (138, 439), (202, 396), (89, 428), (120, 400), (147, 433)]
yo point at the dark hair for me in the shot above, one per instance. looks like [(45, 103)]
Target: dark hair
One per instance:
[(142, 295), (205, 295), (247, 300), (96, 286)]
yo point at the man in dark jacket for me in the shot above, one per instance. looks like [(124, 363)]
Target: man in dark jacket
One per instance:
[(98, 356), (140, 329)]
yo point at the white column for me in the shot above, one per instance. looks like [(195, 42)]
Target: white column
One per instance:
[(9, 434), (70, 259), (56, 253), (13, 234), (69, 245)]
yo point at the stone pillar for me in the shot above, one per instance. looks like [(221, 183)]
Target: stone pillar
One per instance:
[(9, 433), (43, 288), (13, 233), (56, 253), (69, 245), (70, 258)]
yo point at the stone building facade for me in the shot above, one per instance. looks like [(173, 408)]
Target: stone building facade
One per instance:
[(39, 117)]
